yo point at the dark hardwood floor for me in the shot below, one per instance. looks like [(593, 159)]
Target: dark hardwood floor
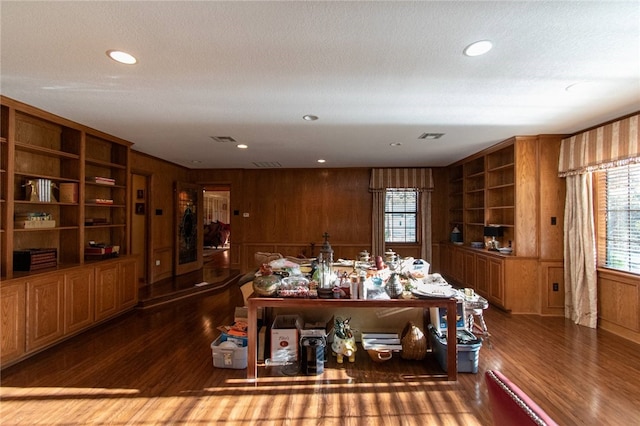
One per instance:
[(154, 366)]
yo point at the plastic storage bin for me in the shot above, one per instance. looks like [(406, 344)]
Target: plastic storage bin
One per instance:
[(468, 350), (228, 357)]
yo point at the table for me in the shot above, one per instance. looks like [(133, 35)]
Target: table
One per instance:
[(268, 302)]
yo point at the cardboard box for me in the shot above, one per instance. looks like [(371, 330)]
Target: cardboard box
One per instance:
[(285, 337), (228, 357), (439, 318)]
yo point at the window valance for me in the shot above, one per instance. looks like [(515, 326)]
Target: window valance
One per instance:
[(417, 178), (614, 144)]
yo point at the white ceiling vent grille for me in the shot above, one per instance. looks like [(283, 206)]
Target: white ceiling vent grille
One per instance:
[(223, 139), (431, 136), (267, 164)]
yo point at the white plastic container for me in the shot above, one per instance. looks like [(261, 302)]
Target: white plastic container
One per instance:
[(228, 357)]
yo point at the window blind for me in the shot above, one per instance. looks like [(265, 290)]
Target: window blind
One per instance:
[(619, 218), (401, 209)]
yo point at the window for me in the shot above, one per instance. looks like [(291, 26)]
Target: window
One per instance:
[(619, 218), (401, 216)]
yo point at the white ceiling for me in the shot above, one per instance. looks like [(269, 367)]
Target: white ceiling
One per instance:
[(375, 73)]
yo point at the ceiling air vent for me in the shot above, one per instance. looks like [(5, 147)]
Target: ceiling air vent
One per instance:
[(431, 136), (267, 164), (223, 139)]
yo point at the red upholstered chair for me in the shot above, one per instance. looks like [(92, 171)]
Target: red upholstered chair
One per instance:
[(510, 405)]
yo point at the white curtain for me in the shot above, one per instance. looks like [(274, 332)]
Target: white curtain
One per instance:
[(579, 252)]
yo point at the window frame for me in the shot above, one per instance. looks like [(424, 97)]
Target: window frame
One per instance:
[(417, 214), (600, 209)]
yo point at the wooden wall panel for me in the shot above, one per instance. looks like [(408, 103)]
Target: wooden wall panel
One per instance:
[(552, 194), (552, 301), (526, 238), (290, 209), (522, 292), (619, 300), (160, 204)]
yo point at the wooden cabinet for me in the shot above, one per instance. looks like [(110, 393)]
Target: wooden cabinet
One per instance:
[(496, 282), (77, 179), (74, 176), (45, 315), (509, 282), (116, 288), (12, 321), (513, 185), (40, 310), (482, 275), (107, 297), (79, 297), (128, 284)]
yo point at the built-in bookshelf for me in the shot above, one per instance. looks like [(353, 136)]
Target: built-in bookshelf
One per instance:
[(62, 186)]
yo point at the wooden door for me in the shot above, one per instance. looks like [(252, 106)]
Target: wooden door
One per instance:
[(496, 281), (128, 284), (107, 296), (79, 291), (45, 317), (469, 269), (12, 322), (482, 276)]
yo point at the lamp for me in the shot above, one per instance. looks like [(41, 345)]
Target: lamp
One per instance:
[(325, 267), (493, 232)]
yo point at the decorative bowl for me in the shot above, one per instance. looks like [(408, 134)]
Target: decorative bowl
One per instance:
[(266, 285), (379, 355)]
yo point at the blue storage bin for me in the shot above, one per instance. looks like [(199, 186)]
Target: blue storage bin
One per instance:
[(468, 350)]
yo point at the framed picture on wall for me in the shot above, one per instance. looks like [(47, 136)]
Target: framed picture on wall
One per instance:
[(140, 194), (139, 208)]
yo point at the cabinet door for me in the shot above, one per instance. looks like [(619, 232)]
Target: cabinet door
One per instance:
[(12, 322), (45, 319), (107, 295), (79, 299), (458, 265), (128, 284), (469, 270), (482, 276), (496, 281)]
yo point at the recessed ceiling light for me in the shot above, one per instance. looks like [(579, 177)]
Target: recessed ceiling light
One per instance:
[(478, 48), (122, 57), (322, 161), (395, 144), (580, 86), (242, 146), (196, 161), (431, 136), (309, 117), (223, 139)]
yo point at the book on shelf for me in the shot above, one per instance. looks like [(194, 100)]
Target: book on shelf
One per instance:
[(101, 251), (34, 224), (34, 259), (100, 201), (92, 221), (101, 180), (68, 192)]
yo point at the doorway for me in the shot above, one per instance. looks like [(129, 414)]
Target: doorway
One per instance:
[(216, 202)]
